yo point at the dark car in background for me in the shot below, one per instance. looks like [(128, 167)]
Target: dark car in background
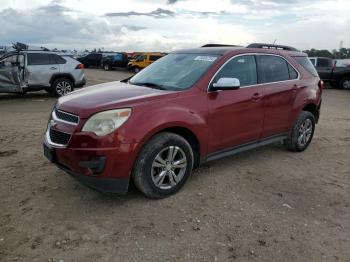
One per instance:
[(93, 59), (113, 61), (334, 72)]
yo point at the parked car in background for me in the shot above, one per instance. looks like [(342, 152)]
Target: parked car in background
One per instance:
[(25, 71), (336, 73), (143, 60), (342, 62), (110, 62), (189, 107), (93, 59)]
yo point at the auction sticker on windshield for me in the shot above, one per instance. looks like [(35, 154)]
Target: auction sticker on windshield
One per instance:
[(205, 58)]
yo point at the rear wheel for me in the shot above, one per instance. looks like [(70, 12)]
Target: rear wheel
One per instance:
[(345, 83), (62, 86), (302, 132), (163, 165)]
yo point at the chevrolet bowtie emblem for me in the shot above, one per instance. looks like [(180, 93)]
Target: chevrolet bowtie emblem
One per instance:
[(53, 123)]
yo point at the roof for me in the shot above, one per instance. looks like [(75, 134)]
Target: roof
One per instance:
[(225, 50)]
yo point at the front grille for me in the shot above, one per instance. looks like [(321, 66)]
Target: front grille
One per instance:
[(61, 115), (58, 137)]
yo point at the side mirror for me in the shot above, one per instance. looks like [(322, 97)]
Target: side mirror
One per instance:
[(226, 83)]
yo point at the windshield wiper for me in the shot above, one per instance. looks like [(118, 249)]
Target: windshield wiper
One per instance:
[(151, 85)]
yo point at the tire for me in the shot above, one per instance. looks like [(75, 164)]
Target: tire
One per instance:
[(345, 83), (106, 67), (62, 86), (136, 69), (301, 134), (155, 174)]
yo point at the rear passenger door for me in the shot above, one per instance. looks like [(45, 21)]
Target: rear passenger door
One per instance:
[(278, 80), (41, 67)]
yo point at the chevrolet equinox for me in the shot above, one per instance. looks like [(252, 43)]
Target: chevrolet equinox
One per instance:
[(189, 107)]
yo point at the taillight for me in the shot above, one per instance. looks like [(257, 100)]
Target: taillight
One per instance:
[(320, 85), (80, 66)]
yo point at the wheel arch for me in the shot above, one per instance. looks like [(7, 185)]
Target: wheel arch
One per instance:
[(54, 77), (188, 134), (313, 109)]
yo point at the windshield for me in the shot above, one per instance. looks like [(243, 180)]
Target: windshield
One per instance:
[(174, 71)]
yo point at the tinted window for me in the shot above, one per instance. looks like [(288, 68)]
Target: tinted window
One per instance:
[(56, 59), (321, 62), (273, 69), (242, 68), (305, 62), (38, 59), (292, 73), (154, 57), (313, 61)]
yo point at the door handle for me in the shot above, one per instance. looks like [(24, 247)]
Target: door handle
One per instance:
[(257, 96), (53, 68)]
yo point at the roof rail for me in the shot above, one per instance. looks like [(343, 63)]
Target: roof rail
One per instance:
[(219, 45), (272, 46)]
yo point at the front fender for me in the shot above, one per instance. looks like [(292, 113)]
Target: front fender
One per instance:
[(150, 120)]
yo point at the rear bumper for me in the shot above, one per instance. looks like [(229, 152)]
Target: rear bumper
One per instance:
[(80, 83)]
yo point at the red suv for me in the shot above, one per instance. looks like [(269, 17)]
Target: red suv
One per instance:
[(187, 108)]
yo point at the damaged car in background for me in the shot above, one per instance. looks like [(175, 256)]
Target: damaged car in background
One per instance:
[(24, 70)]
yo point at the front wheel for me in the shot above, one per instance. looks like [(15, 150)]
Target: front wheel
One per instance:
[(302, 132), (163, 165), (136, 69)]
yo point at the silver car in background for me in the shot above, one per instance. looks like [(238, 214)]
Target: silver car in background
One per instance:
[(23, 71)]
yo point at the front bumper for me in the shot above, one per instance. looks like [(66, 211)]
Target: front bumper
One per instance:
[(104, 185)]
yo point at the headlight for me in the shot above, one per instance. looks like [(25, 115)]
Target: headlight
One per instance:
[(106, 122)]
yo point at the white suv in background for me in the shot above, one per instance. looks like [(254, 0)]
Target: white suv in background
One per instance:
[(24, 71)]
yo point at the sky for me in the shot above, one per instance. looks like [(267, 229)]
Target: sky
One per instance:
[(166, 25)]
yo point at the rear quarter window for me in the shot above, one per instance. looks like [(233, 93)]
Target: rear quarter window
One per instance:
[(305, 62)]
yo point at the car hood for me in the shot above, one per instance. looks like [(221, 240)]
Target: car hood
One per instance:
[(89, 100)]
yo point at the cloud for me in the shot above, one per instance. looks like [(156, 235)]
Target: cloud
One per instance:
[(158, 13)]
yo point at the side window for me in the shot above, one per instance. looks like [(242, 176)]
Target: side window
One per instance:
[(305, 62), (322, 62), (9, 61), (272, 69), (154, 57), (292, 73), (313, 61), (242, 68), (56, 59), (140, 58), (38, 59)]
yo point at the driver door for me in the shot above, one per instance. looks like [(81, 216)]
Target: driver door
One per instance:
[(12, 73), (236, 116)]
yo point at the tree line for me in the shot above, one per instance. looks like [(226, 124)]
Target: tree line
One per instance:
[(342, 53)]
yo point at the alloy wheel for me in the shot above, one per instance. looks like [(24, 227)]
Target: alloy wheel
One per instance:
[(169, 167), (63, 88), (305, 132)]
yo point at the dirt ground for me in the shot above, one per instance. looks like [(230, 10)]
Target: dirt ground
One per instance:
[(264, 205)]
